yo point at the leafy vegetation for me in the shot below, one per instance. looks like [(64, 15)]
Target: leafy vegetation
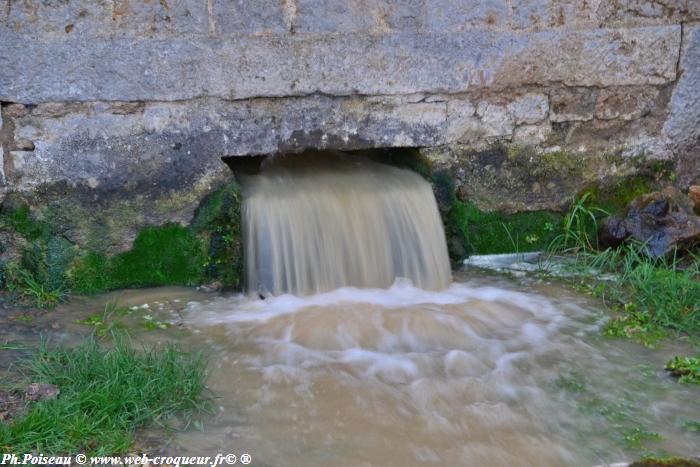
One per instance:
[(105, 395), (39, 275), (687, 369), (652, 295)]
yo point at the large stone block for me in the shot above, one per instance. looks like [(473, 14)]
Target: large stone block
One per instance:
[(553, 13), (448, 15), (635, 12), (56, 20), (250, 17), (371, 16), (110, 147), (75, 69), (601, 57), (683, 124), (682, 127)]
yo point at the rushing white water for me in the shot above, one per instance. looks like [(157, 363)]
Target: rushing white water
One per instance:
[(483, 372), (491, 371), (313, 224)]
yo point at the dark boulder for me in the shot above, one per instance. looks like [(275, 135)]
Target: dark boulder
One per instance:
[(665, 221), (612, 232)]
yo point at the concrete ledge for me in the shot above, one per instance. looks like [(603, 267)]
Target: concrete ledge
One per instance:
[(80, 68)]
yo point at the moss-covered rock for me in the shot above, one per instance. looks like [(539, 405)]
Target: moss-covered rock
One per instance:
[(514, 178), (163, 255), (208, 250), (218, 222)]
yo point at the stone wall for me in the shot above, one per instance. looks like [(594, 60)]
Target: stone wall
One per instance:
[(122, 109)]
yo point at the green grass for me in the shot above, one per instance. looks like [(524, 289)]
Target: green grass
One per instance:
[(105, 395), (484, 232), (22, 283), (652, 295)]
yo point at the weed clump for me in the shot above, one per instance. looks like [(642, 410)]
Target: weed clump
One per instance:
[(687, 369), (105, 395), (653, 295), (495, 232)]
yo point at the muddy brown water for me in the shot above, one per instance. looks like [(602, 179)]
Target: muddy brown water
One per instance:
[(491, 371)]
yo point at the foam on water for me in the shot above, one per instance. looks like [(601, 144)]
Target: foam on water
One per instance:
[(476, 374), (401, 294)]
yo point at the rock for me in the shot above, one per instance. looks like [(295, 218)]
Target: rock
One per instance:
[(573, 104), (40, 391), (664, 221), (532, 134), (627, 103), (694, 195), (212, 287), (495, 120), (530, 108), (612, 232), (682, 127), (10, 404)]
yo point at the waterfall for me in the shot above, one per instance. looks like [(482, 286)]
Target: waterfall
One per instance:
[(314, 223)]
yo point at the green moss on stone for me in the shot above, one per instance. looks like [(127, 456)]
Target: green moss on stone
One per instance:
[(165, 255), (546, 165), (208, 250), (614, 198), (218, 222), (89, 274), (481, 232), (20, 220)]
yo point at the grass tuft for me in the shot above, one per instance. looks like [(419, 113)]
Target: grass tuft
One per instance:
[(105, 395), (482, 232), (652, 294)]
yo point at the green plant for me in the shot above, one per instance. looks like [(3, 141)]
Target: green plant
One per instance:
[(103, 323), (23, 284), (21, 221), (652, 295), (687, 369), (579, 228), (481, 232), (40, 294), (105, 395)]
